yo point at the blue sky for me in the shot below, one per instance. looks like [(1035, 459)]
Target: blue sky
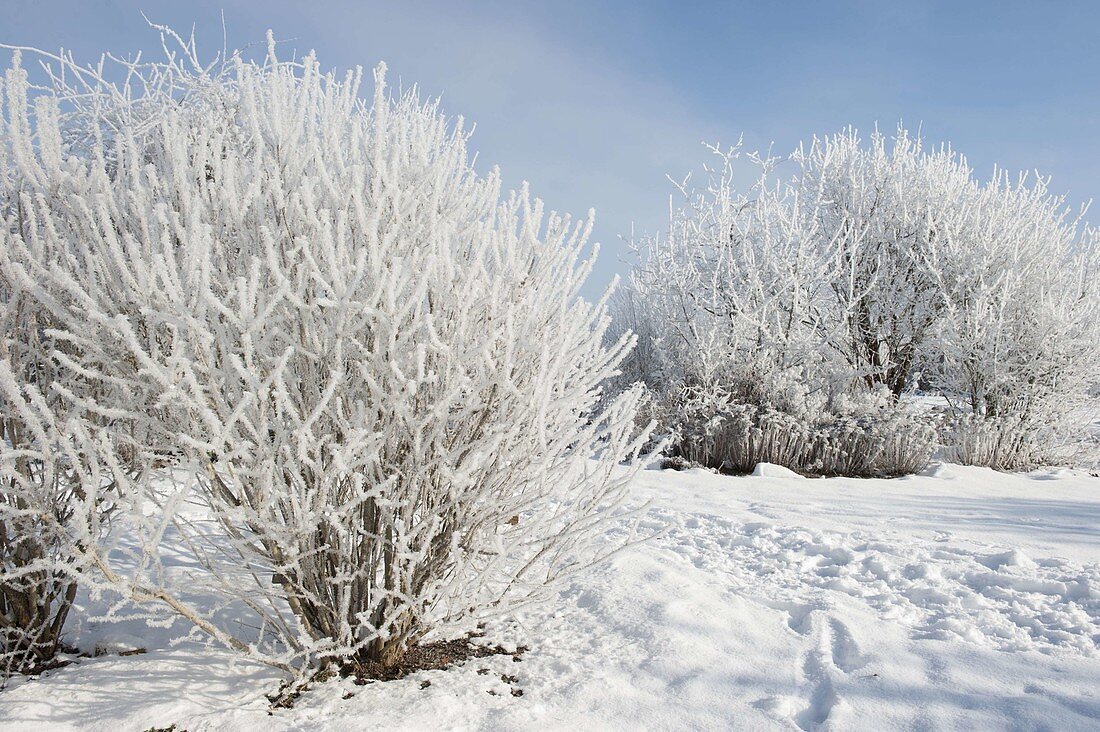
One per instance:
[(594, 103)]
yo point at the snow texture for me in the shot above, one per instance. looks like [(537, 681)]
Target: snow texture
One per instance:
[(961, 598)]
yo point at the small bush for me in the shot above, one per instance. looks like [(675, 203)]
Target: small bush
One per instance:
[(884, 447), (739, 437), (1001, 443)]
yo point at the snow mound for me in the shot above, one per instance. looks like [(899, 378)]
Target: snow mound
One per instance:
[(771, 470)]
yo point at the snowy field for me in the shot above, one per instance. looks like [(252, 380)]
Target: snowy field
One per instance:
[(958, 599)]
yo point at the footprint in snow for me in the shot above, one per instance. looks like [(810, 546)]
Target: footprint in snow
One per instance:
[(834, 655)]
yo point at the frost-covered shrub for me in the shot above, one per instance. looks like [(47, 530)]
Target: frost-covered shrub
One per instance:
[(720, 302), (775, 310), (39, 500), (872, 212), (1004, 443), (56, 495), (1017, 345), (56, 500), (378, 368), (872, 268), (737, 437), (899, 442), (56, 492)]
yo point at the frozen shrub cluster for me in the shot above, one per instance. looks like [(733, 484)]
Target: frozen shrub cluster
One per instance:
[(996, 442), (298, 330), (60, 478), (792, 320), (736, 437)]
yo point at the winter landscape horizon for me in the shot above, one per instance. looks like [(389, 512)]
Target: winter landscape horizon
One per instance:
[(502, 366)]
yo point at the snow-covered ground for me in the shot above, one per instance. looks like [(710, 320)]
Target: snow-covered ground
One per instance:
[(959, 599)]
